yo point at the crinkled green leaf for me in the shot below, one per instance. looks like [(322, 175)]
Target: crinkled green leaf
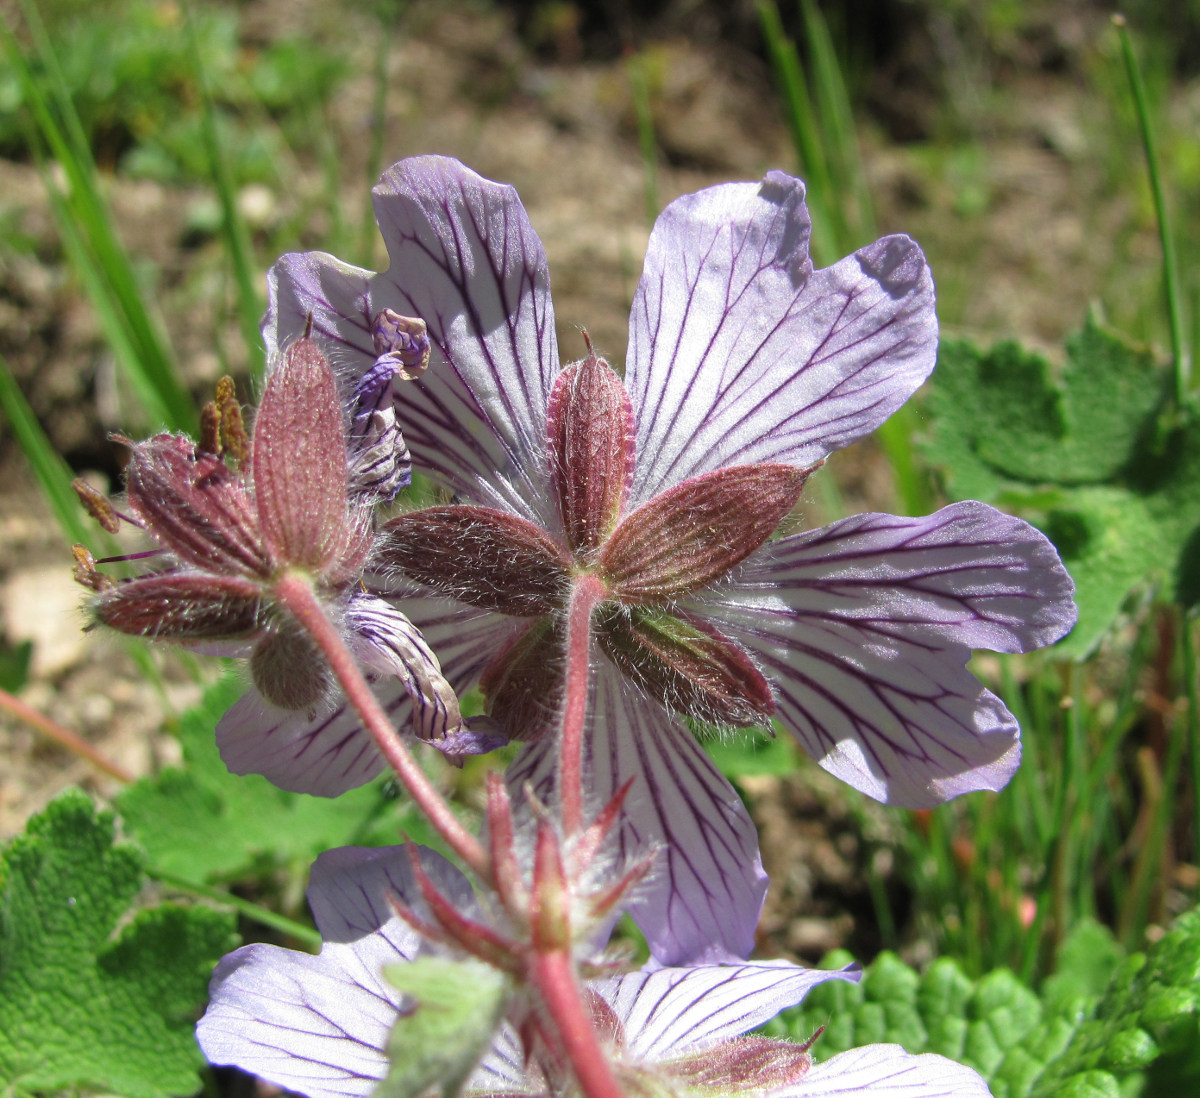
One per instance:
[(454, 1010), (1085, 455), (1102, 1026), (1148, 1019), (1086, 962), (89, 996), (204, 824)]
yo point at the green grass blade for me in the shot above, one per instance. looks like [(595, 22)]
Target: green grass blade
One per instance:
[(841, 142), (388, 12), (52, 473), (250, 303), (639, 86), (113, 286), (1179, 349), (806, 137)]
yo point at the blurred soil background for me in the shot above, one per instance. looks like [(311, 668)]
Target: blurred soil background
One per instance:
[(997, 133)]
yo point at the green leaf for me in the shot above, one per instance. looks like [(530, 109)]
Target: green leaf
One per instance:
[(457, 1006), (83, 1003), (1148, 1019), (1101, 1026), (1089, 456), (204, 824), (1086, 961)]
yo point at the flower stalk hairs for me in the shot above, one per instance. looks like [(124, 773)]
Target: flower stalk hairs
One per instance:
[(609, 567)]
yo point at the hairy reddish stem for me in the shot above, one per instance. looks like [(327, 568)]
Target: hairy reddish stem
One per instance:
[(553, 975), (64, 736), (586, 594), (296, 594)]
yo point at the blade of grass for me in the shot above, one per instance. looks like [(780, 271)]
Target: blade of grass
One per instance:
[(1191, 678), (113, 285), (250, 305), (388, 13), (639, 86), (252, 911), (1179, 349), (837, 124), (801, 118), (53, 474)]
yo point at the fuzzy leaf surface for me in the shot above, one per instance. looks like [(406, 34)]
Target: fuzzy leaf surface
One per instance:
[(204, 824), (1101, 1027), (1085, 454), (83, 1004), (456, 1009)]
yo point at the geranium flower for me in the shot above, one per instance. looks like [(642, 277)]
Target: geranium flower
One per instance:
[(746, 367), (318, 1025), (232, 514)]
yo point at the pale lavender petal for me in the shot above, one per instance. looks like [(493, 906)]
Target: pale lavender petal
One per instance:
[(465, 259), (325, 752), (880, 1071), (317, 1025), (865, 628), (329, 751), (740, 352), (673, 1010), (502, 1070), (386, 642), (465, 638), (703, 898), (336, 296)]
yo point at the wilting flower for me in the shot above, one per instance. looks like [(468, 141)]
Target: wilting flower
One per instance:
[(319, 1025), (746, 367), (232, 514)]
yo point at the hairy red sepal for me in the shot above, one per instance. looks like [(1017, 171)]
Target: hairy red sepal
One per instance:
[(195, 506), (692, 534), (523, 684), (483, 557), (602, 904), (752, 1064), (469, 935), (549, 899), (686, 665), (591, 841), (181, 606), (589, 429), (506, 870), (299, 462)]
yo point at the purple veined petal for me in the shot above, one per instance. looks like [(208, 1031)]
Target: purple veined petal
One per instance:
[(740, 352), (701, 902), (884, 1071), (865, 628), (502, 1069), (330, 752), (386, 642), (465, 259), (318, 1025), (672, 1010), (465, 638), (336, 296), (325, 752)]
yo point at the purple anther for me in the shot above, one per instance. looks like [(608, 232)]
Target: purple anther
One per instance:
[(401, 341)]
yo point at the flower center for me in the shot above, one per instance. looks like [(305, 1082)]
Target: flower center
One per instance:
[(677, 544)]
